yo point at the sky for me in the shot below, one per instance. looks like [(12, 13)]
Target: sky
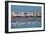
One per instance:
[(19, 8)]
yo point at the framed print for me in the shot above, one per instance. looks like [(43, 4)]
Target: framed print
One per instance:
[(24, 16)]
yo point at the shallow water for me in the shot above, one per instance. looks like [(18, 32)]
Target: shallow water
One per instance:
[(29, 22)]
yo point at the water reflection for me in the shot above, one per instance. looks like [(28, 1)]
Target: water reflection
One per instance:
[(27, 22)]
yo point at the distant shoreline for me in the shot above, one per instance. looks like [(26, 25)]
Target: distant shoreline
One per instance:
[(25, 16)]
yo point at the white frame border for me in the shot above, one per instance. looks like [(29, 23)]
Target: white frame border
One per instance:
[(25, 29)]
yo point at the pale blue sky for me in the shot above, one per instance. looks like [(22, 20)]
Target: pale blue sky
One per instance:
[(19, 8)]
